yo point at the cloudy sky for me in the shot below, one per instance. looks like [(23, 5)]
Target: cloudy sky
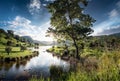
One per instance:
[(31, 18)]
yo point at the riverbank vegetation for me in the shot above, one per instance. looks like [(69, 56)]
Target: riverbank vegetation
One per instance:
[(106, 67)]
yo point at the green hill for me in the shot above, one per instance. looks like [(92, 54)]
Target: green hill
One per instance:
[(16, 40)]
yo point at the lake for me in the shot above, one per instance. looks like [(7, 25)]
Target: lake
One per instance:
[(36, 66)]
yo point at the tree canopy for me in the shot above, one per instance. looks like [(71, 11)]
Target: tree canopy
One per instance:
[(69, 21)]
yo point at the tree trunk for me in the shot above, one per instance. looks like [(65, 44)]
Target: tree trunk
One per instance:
[(77, 49), (75, 43)]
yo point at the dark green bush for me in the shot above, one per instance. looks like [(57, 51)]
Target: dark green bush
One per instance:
[(8, 50)]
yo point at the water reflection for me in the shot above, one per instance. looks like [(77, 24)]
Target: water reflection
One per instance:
[(36, 66)]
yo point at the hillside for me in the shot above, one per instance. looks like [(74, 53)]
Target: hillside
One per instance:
[(44, 43), (15, 40), (28, 38), (115, 34)]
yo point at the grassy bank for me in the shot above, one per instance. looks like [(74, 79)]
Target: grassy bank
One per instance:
[(108, 69), (15, 54), (60, 50)]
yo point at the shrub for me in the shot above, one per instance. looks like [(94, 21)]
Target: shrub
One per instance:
[(8, 49), (56, 71), (9, 43), (22, 48)]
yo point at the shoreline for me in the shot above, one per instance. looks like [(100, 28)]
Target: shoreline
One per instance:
[(20, 58)]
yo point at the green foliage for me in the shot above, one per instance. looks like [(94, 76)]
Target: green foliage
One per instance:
[(10, 33), (68, 21), (56, 50), (10, 39), (9, 43), (8, 49), (22, 48), (56, 71)]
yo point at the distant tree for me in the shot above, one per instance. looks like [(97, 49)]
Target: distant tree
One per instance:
[(8, 49), (2, 32), (23, 39), (69, 22), (37, 44), (17, 37), (22, 48), (0, 36), (10, 32), (9, 43)]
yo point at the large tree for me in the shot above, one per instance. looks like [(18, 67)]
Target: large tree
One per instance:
[(68, 21)]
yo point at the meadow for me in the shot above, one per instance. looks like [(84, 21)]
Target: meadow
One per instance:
[(16, 52)]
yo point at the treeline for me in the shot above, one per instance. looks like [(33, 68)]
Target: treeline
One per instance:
[(109, 42)]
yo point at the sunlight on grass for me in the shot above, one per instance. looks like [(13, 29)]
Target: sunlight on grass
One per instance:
[(108, 70), (15, 52)]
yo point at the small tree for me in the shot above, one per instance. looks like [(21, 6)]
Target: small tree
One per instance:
[(22, 48), (8, 49), (9, 43), (10, 32)]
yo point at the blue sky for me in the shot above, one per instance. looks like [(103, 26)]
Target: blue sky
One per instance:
[(30, 17)]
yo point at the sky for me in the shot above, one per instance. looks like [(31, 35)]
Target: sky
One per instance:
[(31, 18)]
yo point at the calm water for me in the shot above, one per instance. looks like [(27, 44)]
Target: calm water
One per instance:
[(36, 66)]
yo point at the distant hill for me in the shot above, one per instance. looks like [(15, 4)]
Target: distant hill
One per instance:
[(9, 35), (28, 38), (48, 43), (115, 34)]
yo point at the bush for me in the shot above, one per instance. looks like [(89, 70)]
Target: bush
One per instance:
[(22, 48), (9, 43), (8, 49), (55, 72)]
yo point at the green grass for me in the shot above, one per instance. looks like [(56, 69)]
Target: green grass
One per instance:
[(84, 52), (108, 69), (56, 50), (15, 52)]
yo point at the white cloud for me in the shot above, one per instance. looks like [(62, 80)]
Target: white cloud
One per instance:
[(118, 4), (114, 29), (34, 6), (49, 0), (113, 13), (19, 21), (23, 27), (116, 11), (44, 4), (112, 23), (99, 29)]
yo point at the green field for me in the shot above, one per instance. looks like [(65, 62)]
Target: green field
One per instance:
[(15, 52)]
